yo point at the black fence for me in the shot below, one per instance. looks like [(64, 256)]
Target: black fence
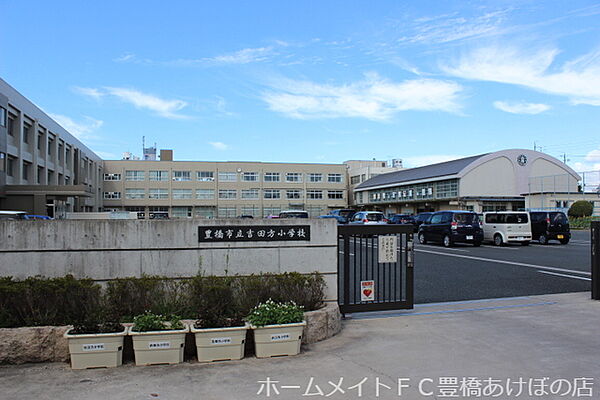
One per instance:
[(596, 260), (375, 267)]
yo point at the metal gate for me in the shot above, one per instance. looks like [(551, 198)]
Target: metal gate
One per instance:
[(375, 267)]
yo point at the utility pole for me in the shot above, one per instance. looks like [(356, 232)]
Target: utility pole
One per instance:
[(534, 146)]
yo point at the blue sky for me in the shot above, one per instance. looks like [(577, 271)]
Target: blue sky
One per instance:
[(313, 81)]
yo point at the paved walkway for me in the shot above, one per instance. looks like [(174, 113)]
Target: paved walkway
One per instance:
[(553, 336)]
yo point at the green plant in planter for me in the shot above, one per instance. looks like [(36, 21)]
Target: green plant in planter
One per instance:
[(274, 313), (155, 322), (214, 300)]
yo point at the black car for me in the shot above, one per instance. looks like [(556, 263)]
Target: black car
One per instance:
[(422, 217), (451, 227), (343, 215), (403, 219), (550, 225)]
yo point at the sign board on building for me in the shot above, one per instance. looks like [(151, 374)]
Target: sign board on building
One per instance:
[(253, 233), (367, 290), (387, 247)]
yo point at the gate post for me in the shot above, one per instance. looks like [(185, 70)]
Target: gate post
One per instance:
[(595, 228)]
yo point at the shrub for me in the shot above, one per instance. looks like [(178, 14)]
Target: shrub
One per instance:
[(127, 297), (213, 299), (155, 322), (48, 301), (274, 313), (581, 208)]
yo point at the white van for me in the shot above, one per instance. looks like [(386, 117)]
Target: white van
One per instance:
[(12, 215), (507, 227)]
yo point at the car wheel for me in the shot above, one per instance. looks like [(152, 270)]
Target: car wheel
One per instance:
[(498, 240), (447, 241), (525, 243), (564, 241), (476, 244), (543, 239), (422, 239)]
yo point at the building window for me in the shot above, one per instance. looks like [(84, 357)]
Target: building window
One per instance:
[(314, 194), (2, 161), (68, 157), (112, 177), (271, 177), (26, 131), (161, 175), (40, 175), (355, 179), (181, 212), (26, 166), (181, 194), (272, 194), (271, 211), (250, 194), (11, 125), (50, 145), (50, 177), (293, 194), (134, 175), (334, 178), (250, 177), (335, 194), (204, 212), (315, 211), (111, 195), (158, 194), (227, 194), (181, 176), (315, 178), (251, 210), (10, 166), (227, 177), (205, 176), (205, 194), (140, 210), (293, 177), (2, 116), (158, 212), (135, 193), (227, 212)]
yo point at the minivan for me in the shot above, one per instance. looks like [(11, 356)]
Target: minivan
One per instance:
[(451, 227), (550, 225), (293, 214), (343, 215), (503, 227)]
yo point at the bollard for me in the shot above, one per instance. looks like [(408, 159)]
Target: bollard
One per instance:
[(595, 228)]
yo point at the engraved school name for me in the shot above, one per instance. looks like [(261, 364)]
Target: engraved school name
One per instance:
[(253, 233)]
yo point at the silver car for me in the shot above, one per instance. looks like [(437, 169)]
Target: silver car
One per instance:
[(368, 218)]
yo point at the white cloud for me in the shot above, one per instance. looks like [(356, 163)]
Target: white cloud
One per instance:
[(89, 92), (521, 108), (419, 161), (219, 145), (80, 130), (579, 79), (243, 56), (373, 98), (163, 107)]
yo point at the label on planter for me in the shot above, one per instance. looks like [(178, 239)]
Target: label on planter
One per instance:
[(93, 347), (220, 340), (159, 345), (280, 336)]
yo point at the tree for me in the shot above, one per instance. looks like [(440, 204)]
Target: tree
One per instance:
[(581, 208)]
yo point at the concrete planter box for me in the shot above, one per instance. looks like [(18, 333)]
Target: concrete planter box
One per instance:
[(278, 340), (220, 344), (99, 350), (158, 347)]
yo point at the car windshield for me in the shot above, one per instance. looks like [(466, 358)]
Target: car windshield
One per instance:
[(346, 213), (374, 217), (466, 218)]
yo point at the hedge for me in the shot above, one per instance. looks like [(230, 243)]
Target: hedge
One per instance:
[(581, 208), (42, 301)]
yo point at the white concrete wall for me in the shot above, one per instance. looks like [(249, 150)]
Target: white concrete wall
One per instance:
[(108, 249), (477, 182)]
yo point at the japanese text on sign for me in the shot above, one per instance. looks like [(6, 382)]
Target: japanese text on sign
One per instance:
[(253, 233), (388, 252)]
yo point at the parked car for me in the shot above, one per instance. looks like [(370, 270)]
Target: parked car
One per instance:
[(368, 218), (403, 219), (503, 227), (339, 219), (420, 218), (343, 215), (37, 217), (12, 215), (451, 227), (246, 216), (293, 214), (550, 225)]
